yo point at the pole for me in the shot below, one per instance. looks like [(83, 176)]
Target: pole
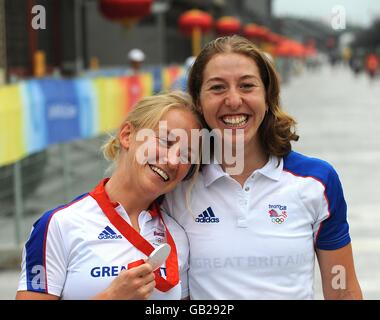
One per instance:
[(64, 149), (18, 201), (161, 37), (84, 40), (3, 48), (159, 9), (196, 40), (78, 34), (32, 37)]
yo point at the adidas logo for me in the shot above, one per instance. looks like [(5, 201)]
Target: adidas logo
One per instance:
[(108, 233), (207, 216)]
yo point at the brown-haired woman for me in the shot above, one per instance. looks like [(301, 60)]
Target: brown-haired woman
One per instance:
[(256, 231)]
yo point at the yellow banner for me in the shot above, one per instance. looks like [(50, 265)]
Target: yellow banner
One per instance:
[(147, 83), (169, 76), (12, 143), (111, 103)]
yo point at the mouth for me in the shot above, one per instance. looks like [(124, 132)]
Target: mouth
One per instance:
[(161, 173), (235, 120)]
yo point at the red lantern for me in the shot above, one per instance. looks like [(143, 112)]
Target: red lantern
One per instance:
[(289, 48), (283, 49), (195, 22), (254, 31), (299, 50), (273, 38), (227, 25), (125, 9), (265, 34), (192, 19)]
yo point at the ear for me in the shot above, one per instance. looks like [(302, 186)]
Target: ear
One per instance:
[(125, 135)]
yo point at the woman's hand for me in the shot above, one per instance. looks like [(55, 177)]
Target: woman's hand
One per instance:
[(132, 284)]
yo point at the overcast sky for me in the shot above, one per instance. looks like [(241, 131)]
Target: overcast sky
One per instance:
[(360, 12)]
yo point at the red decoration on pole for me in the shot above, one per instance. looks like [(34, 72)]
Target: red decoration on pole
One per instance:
[(254, 31), (273, 38), (195, 23), (290, 48), (227, 25), (125, 9), (195, 19)]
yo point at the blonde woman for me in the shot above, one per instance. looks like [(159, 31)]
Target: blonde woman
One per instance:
[(96, 246)]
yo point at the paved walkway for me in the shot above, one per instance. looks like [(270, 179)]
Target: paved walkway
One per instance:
[(338, 118)]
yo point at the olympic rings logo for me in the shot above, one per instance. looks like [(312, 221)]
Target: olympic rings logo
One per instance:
[(278, 220)]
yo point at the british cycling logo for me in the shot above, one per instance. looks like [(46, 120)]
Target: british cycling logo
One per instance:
[(207, 216), (277, 213)]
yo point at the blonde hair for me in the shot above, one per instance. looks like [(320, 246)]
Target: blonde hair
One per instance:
[(147, 113)]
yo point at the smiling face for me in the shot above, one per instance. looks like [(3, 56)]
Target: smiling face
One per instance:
[(232, 95), (163, 165)]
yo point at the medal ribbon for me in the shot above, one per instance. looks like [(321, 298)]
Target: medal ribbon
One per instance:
[(172, 274)]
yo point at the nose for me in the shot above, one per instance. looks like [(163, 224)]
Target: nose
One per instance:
[(233, 99), (174, 156)]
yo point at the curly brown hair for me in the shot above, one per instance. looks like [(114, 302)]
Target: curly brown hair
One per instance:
[(278, 128)]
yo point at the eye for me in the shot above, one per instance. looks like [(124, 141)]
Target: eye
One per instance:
[(247, 86), (217, 87)]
